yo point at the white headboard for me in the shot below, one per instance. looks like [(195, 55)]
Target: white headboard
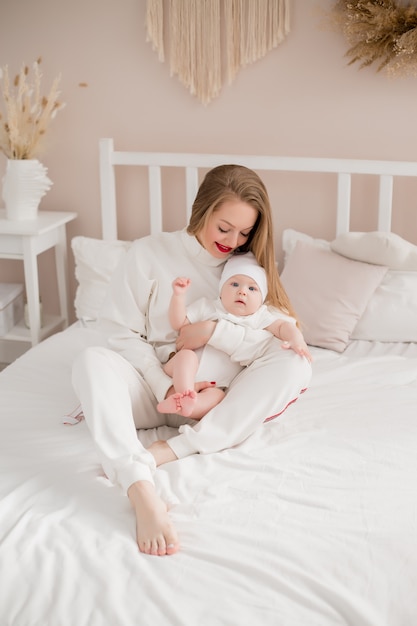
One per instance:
[(191, 163)]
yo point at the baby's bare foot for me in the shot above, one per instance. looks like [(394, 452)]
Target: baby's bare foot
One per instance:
[(181, 403), (155, 533), (172, 404), (188, 402)]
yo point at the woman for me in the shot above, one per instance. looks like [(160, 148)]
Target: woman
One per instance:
[(120, 386)]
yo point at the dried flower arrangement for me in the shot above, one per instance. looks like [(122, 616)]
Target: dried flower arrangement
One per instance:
[(379, 30), (27, 112)]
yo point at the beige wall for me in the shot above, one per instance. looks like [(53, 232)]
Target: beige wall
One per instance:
[(302, 99)]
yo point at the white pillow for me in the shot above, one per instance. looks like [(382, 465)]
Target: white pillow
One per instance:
[(377, 247), (328, 292), (95, 262), (391, 314)]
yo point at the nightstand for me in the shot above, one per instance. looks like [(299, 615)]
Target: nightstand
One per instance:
[(24, 241)]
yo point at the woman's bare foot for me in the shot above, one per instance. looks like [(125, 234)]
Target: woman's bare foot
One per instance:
[(161, 452), (155, 533)]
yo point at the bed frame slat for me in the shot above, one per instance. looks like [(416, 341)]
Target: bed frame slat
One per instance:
[(155, 199), (108, 190), (386, 185), (191, 187), (344, 183)]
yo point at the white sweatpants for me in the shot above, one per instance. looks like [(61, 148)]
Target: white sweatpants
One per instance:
[(116, 401)]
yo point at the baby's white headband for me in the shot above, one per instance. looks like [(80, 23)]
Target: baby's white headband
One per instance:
[(247, 265)]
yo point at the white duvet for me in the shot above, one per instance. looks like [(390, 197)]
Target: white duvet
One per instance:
[(310, 522)]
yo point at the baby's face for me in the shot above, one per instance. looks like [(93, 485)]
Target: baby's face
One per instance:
[(240, 295)]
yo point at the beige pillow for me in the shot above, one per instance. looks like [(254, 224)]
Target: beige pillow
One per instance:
[(377, 247), (329, 293)]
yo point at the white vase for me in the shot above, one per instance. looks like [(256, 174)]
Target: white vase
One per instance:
[(24, 185)]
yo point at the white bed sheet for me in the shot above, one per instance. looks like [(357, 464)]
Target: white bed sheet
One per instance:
[(311, 521)]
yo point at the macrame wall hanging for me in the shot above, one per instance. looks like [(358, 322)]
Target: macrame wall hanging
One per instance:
[(196, 30), (379, 31)]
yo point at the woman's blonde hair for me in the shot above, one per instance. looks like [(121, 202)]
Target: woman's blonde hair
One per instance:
[(236, 182)]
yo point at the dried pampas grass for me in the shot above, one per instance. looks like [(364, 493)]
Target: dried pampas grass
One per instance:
[(27, 114), (379, 31)]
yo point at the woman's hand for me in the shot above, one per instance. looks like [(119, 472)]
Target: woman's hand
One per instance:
[(193, 336)]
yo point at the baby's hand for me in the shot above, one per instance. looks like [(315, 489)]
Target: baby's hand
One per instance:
[(299, 346), (180, 284)]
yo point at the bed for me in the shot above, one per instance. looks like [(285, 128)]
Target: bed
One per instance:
[(311, 521)]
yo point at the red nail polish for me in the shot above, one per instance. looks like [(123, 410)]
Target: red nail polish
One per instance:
[(213, 382)]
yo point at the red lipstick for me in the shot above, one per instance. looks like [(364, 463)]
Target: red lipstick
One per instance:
[(223, 249)]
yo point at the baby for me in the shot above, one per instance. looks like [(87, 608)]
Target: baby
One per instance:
[(243, 290)]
